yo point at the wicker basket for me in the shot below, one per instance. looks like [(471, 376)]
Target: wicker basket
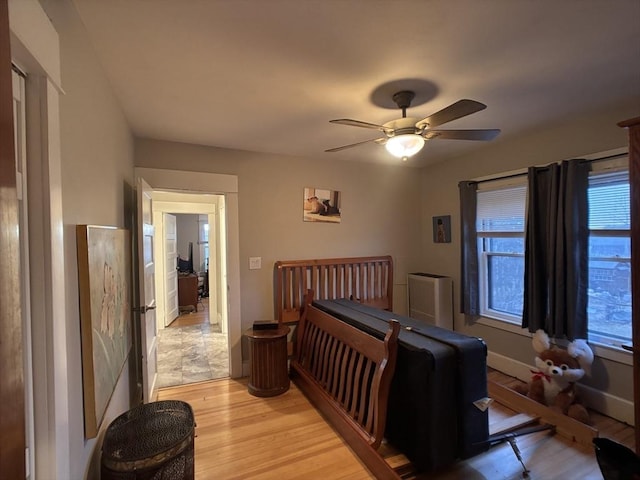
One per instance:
[(150, 442)]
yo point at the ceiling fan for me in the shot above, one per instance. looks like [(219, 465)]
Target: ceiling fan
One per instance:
[(406, 136)]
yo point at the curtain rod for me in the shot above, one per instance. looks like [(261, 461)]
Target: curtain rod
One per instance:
[(504, 177), (600, 159), (524, 174)]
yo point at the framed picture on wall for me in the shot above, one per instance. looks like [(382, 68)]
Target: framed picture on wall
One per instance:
[(442, 229), (104, 273), (321, 205)]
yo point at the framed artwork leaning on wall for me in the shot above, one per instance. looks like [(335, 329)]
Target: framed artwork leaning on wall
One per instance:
[(104, 282)]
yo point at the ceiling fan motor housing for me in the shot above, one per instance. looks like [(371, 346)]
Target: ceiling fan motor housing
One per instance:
[(402, 126)]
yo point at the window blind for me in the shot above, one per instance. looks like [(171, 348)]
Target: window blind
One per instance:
[(501, 210), (606, 210)]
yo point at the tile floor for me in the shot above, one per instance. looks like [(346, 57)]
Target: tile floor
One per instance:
[(191, 354)]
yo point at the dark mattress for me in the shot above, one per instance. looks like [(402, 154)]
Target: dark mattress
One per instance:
[(431, 416)]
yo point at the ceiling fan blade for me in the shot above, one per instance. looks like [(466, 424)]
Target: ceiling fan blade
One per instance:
[(460, 109), (488, 134), (358, 123), (337, 149)]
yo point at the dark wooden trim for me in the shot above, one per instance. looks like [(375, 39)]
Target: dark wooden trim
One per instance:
[(630, 122), (12, 420), (634, 179)]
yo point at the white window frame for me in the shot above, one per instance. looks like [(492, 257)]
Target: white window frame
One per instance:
[(604, 347), (617, 164), (518, 180), (483, 274)]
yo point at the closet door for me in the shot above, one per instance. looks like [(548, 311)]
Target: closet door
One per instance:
[(634, 179)]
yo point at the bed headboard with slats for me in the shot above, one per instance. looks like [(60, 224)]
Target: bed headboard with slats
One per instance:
[(368, 280)]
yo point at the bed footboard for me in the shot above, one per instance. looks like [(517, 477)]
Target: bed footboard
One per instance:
[(346, 374)]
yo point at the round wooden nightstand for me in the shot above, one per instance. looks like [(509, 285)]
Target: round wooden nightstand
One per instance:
[(269, 374)]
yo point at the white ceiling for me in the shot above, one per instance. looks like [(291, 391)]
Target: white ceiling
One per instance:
[(268, 75)]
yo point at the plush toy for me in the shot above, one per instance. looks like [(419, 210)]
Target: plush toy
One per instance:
[(553, 384)]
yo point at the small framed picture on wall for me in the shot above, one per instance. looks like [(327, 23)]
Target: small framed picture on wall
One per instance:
[(442, 229), (321, 205)]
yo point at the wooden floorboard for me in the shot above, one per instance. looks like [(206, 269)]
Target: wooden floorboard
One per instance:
[(197, 317), (239, 436)]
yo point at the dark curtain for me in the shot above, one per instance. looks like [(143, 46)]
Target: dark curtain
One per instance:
[(469, 294), (556, 250)]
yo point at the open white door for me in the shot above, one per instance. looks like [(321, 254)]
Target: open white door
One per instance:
[(171, 268), (147, 288)]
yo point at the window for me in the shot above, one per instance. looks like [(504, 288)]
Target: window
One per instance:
[(500, 223), (609, 290)]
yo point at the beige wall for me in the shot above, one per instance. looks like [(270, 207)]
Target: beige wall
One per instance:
[(379, 211), (571, 139), (97, 179)]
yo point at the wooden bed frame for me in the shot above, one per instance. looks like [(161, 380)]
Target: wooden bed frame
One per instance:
[(346, 374), (368, 280)]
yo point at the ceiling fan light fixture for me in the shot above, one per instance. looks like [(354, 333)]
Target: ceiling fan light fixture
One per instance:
[(404, 137), (404, 146)]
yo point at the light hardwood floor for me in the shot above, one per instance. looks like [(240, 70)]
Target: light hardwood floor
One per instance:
[(198, 317), (239, 436)]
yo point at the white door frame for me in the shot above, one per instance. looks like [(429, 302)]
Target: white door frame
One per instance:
[(227, 185), (191, 204), (35, 49)]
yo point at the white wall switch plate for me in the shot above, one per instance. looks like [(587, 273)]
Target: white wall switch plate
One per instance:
[(255, 263)]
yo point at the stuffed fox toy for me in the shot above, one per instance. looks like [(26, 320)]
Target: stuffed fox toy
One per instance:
[(553, 383)]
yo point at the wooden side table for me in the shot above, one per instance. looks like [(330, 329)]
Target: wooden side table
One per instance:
[(269, 374)]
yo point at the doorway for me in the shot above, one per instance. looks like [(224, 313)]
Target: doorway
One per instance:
[(190, 268), (226, 186)]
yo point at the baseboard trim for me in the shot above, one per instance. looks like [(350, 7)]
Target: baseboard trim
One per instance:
[(605, 403)]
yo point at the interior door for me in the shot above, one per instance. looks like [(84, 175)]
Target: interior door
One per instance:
[(147, 288), (171, 268)]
